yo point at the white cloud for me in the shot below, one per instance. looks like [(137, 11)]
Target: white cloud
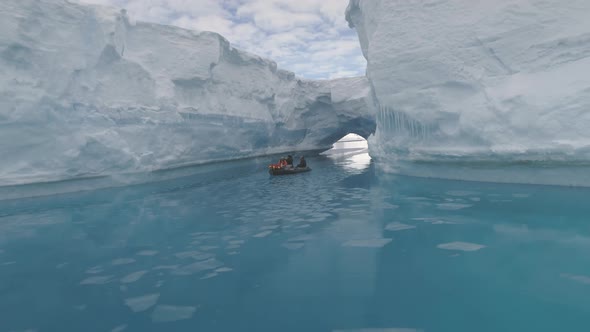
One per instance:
[(309, 37)]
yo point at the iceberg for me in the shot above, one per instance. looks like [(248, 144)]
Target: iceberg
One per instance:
[(86, 92), (479, 90)]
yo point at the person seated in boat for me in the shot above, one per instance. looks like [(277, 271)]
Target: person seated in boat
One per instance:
[(302, 163), (283, 162), (289, 161)]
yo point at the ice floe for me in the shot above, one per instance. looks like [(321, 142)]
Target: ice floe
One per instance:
[(196, 255), (389, 329), (148, 253), (96, 280), (197, 267), (94, 270), (133, 277), (142, 303), (578, 278), (461, 246), (119, 328), (169, 313), (263, 234), (398, 226), (452, 206), (123, 261), (367, 243), (293, 245)]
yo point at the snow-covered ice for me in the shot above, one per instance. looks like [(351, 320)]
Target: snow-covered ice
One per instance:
[(87, 91), (481, 90)]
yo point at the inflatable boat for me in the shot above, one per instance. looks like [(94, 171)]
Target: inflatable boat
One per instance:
[(286, 171)]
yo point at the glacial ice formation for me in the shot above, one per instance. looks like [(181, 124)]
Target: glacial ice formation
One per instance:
[(87, 92), (480, 86)]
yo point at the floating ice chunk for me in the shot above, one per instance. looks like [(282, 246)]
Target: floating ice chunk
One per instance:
[(80, 307), (142, 303), (148, 253), (96, 280), (197, 267), (293, 245), (301, 238), (269, 227), (367, 243), (434, 221), (123, 261), (520, 195), (119, 328), (207, 248), (61, 265), (461, 246), (166, 267), (415, 198), (452, 206), (209, 275), (263, 234), (196, 255), (94, 270), (169, 313), (461, 193), (390, 329), (133, 277), (224, 269), (398, 226), (578, 278)]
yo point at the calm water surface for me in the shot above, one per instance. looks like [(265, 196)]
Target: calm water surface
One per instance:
[(230, 248)]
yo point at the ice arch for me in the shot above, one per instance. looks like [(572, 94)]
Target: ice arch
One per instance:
[(87, 92)]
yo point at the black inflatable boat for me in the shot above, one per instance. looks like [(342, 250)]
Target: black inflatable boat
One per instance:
[(287, 171)]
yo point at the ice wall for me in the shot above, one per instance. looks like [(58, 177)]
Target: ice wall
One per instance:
[(84, 91), (493, 84)]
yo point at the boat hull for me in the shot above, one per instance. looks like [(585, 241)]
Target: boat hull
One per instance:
[(288, 171)]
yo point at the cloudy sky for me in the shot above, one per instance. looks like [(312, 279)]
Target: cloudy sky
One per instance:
[(308, 37)]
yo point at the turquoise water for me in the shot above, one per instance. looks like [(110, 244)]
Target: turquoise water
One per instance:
[(340, 248)]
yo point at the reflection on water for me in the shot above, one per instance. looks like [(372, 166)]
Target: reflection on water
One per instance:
[(229, 248), (350, 152)]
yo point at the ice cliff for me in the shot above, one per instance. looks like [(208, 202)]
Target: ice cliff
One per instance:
[(87, 92), (481, 86)]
